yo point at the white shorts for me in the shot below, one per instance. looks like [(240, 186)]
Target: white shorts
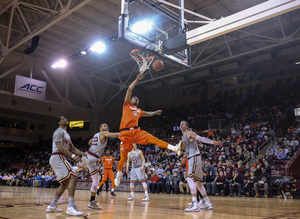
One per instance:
[(61, 167), (137, 176), (89, 163), (195, 168)]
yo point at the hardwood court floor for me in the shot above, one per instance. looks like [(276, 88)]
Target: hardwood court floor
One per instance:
[(28, 202)]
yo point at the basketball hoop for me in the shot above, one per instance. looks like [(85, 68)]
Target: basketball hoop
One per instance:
[(143, 62)]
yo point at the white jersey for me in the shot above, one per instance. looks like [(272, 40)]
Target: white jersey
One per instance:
[(135, 159), (97, 147), (61, 135), (191, 148)]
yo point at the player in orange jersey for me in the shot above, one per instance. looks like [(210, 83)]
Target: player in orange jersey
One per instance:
[(130, 132), (108, 162)]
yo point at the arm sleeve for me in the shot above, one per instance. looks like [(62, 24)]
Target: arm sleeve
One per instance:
[(204, 140)]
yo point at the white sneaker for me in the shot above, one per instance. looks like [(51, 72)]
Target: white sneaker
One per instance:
[(74, 211), (207, 206), (93, 205), (193, 208), (146, 199), (179, 148), (130, 198), (117, 180), (53, 209), (190, 204)]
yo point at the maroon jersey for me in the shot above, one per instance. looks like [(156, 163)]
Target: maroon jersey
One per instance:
[(229, 171)]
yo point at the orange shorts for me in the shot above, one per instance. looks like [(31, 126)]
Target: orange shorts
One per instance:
[(128, 137), (108, 173)]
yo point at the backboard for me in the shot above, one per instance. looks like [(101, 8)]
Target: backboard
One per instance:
[(149, 24)]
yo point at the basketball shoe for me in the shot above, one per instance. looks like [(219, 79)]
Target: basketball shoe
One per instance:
[(93, 205), (53, 209), (179, 148), (146, 199), (206, 205), (193, 208), (130, 198), (74, 211), (113, 194)]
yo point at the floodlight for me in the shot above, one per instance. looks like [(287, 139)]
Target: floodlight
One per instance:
[(98, 47), (60, 64), (141, 27), (297, 63), (83, 52)]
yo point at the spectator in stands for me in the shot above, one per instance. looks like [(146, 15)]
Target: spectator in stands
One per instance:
[(268, 167), (250, 183), (206, 167), (269, 151), (286, 142), (281, 155), (17, 180), (247, 171), (263, 180), (260, 135), (166, 182), (258, 171), (229, 168), (295, 148), (175, 182), (210, 154), (160, 171), (154, 183), (183, 184), (236, 183), (241, 169), (240, 156), (222, 156), (290, 154), (294, 141), (257, 163)]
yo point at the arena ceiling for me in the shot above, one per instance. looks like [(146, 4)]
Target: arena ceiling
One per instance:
[(65, 27)]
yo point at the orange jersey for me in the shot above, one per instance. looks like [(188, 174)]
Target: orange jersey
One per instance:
[(130, 116), (108, 161)]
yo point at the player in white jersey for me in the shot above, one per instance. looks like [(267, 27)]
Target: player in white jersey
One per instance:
[(62, 147), (137, 173), (97, 146), (194, 179)]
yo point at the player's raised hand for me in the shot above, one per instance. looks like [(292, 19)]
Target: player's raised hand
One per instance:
[(218, 143), (158, 112), (85, 155), (140, 76)]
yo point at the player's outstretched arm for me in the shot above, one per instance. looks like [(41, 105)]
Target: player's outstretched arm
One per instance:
[(131, 87), (74, 150), (193, 135), (108, 134), (154, 113)]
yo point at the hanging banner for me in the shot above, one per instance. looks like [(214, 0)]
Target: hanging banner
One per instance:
[(30, 88)]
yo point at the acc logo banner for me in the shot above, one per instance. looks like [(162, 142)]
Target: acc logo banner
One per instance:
[(76, 124), (30, 88)]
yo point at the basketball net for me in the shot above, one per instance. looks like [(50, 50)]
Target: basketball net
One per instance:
[(143, 62)]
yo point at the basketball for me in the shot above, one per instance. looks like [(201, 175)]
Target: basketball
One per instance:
[(158, 65)]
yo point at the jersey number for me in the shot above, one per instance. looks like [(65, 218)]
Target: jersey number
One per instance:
[(95, 140)]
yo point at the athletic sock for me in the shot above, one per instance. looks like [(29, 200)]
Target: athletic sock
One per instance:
[(171, 147), (92, 198), (71, 201), (132, 194), (54, 201), (194, 199)]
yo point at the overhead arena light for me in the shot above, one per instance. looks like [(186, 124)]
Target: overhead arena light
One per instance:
[(142, 27), (98, 47), (59, 64)]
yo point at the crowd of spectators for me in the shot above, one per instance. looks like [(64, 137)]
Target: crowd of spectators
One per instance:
[(224, 169)]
